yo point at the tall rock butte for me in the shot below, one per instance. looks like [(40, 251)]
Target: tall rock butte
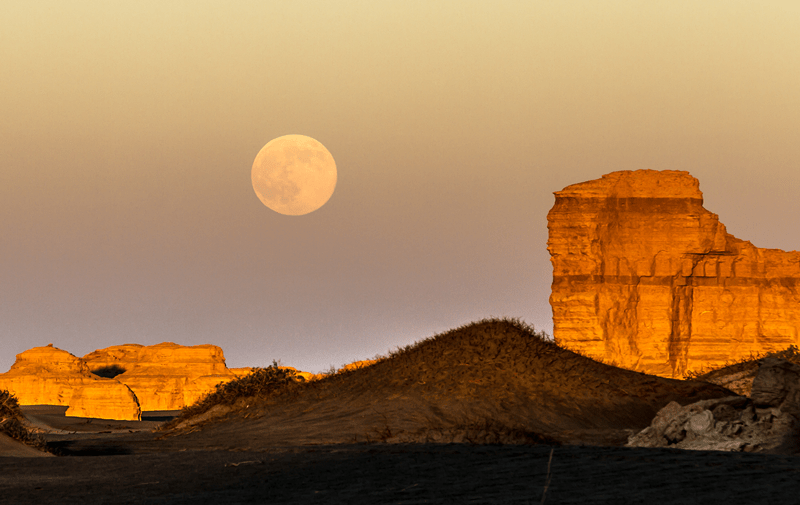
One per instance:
[(646, 278)]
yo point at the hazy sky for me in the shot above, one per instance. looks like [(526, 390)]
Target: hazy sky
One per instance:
[(128, 131)]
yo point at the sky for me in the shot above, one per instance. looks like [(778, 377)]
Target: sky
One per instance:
[(128, 132)]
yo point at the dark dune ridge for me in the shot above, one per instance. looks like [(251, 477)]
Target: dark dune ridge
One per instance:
[(494, 381)]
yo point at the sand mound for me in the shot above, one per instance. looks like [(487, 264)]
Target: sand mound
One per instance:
[(491, 381), (16, 449)]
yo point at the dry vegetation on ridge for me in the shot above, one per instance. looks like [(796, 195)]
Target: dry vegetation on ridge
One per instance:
[(11, 421), (263, 383), (738, 376), (791, 354), (495, 380), (259, 384)]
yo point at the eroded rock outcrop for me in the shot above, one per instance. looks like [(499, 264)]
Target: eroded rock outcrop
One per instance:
[(739, 377), (768, 421), (646, 278), (165, 376), (105, 399), (51, 376), (241, 372)]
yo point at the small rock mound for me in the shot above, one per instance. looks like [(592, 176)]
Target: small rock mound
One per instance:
[(768, 421)]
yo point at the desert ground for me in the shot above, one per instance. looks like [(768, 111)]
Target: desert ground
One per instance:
[(487, 413)]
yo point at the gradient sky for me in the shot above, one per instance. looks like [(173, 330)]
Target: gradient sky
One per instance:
[(128, 131)]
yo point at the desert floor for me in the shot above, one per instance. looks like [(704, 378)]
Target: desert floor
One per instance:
[(364, 436), (118, 464)]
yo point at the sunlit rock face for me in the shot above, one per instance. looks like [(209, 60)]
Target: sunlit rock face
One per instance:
[(114, 360), (51, 376), (45, 376), (646, 278), (106, 399), (241, 372), (164, 376), (357, 365)]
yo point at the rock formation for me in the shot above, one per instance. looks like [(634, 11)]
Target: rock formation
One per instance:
[(105, 399), (645, 278), (355, 365), (777, 385), (50, 376), (768, 421), (165, 376), (739, 377), (241, 372), (303, 376), (121, 381)]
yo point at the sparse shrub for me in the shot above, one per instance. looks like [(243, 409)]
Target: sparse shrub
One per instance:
[(260, 383), (11, 421), (791, 354), (442, 340)]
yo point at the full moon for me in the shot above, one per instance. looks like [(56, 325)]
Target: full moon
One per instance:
[(294, 175)]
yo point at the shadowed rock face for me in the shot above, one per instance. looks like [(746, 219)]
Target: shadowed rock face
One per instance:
[(51, 376), (768, 421), (646, 278), (778, 385)]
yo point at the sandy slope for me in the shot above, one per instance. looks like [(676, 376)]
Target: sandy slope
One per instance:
[(15, 449), (493, 381)]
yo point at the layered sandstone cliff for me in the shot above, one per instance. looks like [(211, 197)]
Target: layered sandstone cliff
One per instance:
[(165, 376), (51, 376), (648, 279)]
